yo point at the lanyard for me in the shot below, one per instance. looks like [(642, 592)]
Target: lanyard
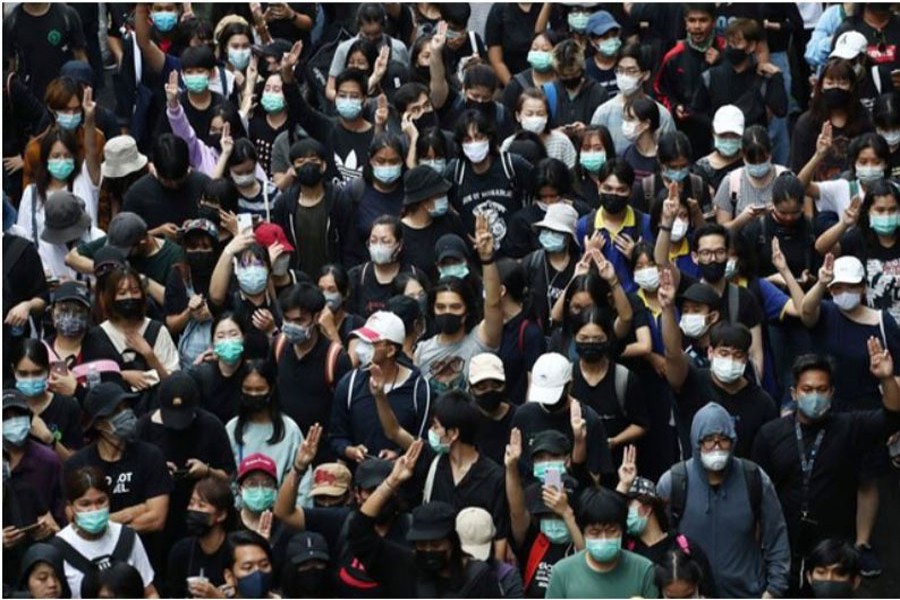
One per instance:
[(806, 464)]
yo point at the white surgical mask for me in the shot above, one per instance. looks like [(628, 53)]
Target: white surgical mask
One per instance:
[(628, 84), (647, 278), (243, 181), (476, 151), (693, 325), (727, 370), (381, 254), (891, 137), (715, 460), (847, 301), (629, 130), (365, 352), (679, 230), (534, 124)]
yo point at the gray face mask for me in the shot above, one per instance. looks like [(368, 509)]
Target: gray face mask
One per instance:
[(124, 425)]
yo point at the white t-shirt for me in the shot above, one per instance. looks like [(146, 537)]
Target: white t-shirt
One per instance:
[(54, 255), (82, 187), (99, 548), (164, 348), (834, 195)]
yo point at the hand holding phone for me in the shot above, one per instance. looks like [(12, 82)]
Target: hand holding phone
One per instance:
[(554, 479), (245, 223), (59, 367)]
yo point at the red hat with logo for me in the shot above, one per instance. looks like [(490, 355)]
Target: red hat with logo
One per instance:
[(267, 234)]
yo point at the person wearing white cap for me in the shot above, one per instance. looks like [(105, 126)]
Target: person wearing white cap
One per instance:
[(476, 531), (728, 128), (354, 432), (487, 386), (550, 406), (843, 328)]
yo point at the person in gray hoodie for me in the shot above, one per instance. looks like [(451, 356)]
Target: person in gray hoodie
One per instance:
[(747, 545)]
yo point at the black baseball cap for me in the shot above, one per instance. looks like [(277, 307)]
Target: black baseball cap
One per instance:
[(13, 398), (432, 521), (372, 472), (702, 293), (450, 245), (552, 441), (126, 230), (306, 546), (421, 183), (178, 397), (71, 291), (103, 399)]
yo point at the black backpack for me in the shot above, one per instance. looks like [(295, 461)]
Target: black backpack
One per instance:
[(120, 554), (678, 496)]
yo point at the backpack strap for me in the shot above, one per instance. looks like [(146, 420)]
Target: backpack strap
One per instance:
[(350, 388), (734, 184), (429, 480), (459, 171), (334, 350), (474, 570), (678, 496), (124, 545), (696, 186), (535, 555), (620, 380), (552, 98), (753, 479), (734, 299), (522, 80), (522, 327), (647, 184), (11, 256), (876, 78), (509, 169), (72, 556), (151, 334), (265, 191)]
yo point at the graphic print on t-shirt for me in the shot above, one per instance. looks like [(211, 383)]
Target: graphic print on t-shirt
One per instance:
[(348, 167), (447, 373), (883, 289)]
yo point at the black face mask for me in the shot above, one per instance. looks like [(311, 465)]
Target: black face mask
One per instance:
[(836, 98), (431, 562), (254, 402), (613, 203), (428, 119), (593, 351), (309, 174), (489, 401), (448, 323), (201, 262), (560, 405), (130, 308), (210, 213), (571, 83), (197, 522), (484, 107), (735, 55), (215, 142), (313, 583), (713, 272), (832, 589), (422, 74)]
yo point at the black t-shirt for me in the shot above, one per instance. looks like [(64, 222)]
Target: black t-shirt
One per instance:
[(328, 522), (63, 418), (749, 313), (491, 194), (311, 232), (546, 283), (537, 586), (354, 581), (303, 392), (139, 475), (658, 551), (511, 28), (349, 151), (28, 274), (493, 435), (221, 395), (752, 407), (418, 244), (42, 44), (158, 205), (263, 137), (884, 45), (284, 29), (522, 343), (797, 244), (375, 203), (187, 559), (532, 418), (367, 294), (882, 268)]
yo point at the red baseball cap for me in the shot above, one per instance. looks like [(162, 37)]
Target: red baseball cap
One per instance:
[(269, 233), (258, 462)]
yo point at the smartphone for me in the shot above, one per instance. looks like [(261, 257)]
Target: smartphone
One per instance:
[(180, 473), (59, 367), (245, 223), (554, 478), (28, 528)]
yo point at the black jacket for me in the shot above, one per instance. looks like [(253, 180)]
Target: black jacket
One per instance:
[(285, 209)]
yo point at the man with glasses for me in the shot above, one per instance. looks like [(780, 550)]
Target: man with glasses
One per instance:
[(729, 507)]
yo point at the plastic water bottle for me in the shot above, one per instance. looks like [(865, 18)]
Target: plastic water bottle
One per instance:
[(93, 377)]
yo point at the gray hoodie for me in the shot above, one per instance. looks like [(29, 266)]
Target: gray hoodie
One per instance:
[(721, 520)]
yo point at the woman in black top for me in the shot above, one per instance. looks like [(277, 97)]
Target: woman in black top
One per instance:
[(595, 149), (335, 320)]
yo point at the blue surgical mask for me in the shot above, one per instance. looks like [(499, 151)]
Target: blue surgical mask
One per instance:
[(540, 469), (229, 351), (458, 270), (272, 102), (759, 171), (15, 429), (813, 405), (387, 173), (578, 21), (239, 58), (440, 208), (869, 174), (884, 224), (540, 60), (32, 387), (294, 333), (348, 108), (253, 279), (609, 47), (636, 523), (556, 531), (603, 550), (592, 161), (727, 146), (68, 121), (552, 241), (677, 175), (93, 521), (439, 164), (60, 168), (258, 499), (196, 82), (434, 440), (164, 20)]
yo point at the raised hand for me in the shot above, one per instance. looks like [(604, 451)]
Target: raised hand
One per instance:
[(483, 239), (881, 363), (171, 88), (851, 213), (226, 142), (265, 524), (381, 113), (306, 452), (88, 105), (670, 206), (826, 273), (605, 268), (408, 127), (376, 380), (513, 448), (624, 244), (778, 259), (578, 423), (825, 139), (289, 61), (628, 468), (666, 291), (439, 38), (381, 63), (406, 464)]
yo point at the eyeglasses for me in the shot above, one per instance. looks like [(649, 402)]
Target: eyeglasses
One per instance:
[(718, 253), (715, 441)]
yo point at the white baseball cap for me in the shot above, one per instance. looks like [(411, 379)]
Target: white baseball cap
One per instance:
[(561, 217), (848, 269), (476, 531), (382, 325), (486, 366), (729, 119), (549, 376), (849, 45)]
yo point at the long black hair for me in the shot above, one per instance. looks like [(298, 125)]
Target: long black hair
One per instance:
[(266, 369)]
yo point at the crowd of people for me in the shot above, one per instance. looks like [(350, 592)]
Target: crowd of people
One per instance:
[(416, 300)]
